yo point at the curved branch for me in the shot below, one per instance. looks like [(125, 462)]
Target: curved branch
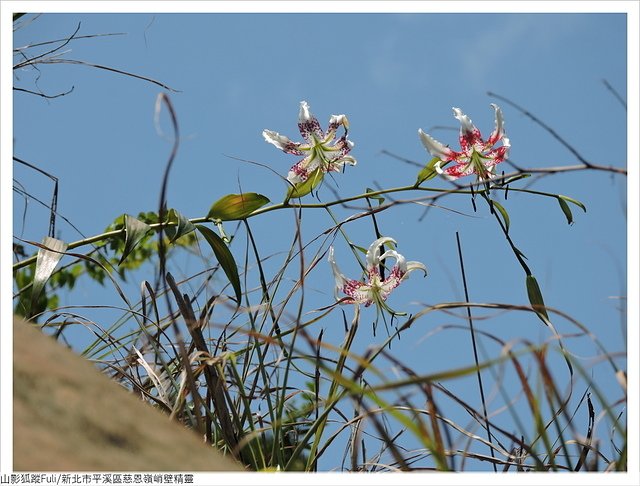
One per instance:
[(49, 97), (107, 68)]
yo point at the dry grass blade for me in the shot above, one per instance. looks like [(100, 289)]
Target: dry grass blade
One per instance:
[(582, 461), (110, 69), (50, 252), (211, 372), (41, 57)]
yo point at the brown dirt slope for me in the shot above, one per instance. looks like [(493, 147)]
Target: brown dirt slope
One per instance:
[(69, 417)]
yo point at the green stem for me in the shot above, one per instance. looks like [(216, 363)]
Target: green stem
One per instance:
[(276, 207), (515, 250), (273, 207)]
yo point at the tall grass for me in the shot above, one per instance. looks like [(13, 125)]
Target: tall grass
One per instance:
[(260, 381)]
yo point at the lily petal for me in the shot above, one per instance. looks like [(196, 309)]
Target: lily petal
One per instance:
[(373, 253), (498, 131), (411, 266), (435, 148), (443, 172), (395, 276), (401, 264), (458, 171), (399, 272), (469, 134), (358, 292), (495, 156), (337, 274), (466, 125), (334, 123), (336, 156), (282, 142), (309, 125), (300, 171)]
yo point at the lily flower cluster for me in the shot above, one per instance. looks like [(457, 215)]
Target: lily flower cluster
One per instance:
[(324, 153)]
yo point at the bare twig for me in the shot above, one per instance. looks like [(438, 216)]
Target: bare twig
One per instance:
[(107, 68), (475, 349), (31, 60), (49, 97), (54, 197), (551, 131), (88, 36), (615, 93)]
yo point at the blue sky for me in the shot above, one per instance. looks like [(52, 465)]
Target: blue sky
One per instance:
[(391, 74)]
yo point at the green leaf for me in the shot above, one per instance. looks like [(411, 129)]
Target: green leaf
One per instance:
[(566, 210), (520, 253), (503, 212), (225, 258), (361, 249), (573, 201), (149, 217), (304, 188), (236, 206), (428, 171), (535, 297), (135, 230), (46, 262), (182, 226), (377, 197), (514, 178)]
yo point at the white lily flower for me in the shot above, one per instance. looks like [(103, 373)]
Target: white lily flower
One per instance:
[(317, 149), (477, 156), (375, 290)]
